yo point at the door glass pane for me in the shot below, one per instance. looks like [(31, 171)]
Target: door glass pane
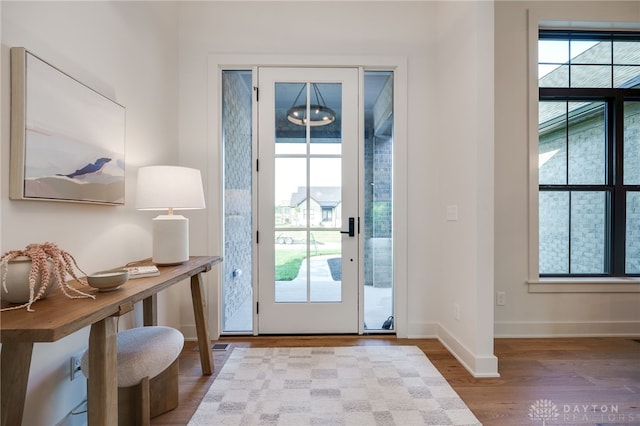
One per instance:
[(290, 277), (325, 264), (554, 232), (326, 107), (290, 109), (290, 218), (631, 143), (290, 192), (237, 290), (325, 250), (326, 192), (632, 264), (378, 201), (588, 231)]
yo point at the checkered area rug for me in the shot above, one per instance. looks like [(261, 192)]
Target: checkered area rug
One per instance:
[(361, 385)]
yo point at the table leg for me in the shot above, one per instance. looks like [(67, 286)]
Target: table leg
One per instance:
[(150, 310), (204, 342), (15, 361), (102, 392)]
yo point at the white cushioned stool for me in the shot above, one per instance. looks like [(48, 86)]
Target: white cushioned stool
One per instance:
[(147, 372)]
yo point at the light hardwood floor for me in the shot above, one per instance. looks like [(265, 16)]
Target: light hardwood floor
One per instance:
[(575, 374)]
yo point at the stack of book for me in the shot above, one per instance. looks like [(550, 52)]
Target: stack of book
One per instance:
[(143, 271)]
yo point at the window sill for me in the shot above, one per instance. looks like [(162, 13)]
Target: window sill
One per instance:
[(585, 285)]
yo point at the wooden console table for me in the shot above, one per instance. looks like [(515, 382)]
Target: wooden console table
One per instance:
[(57, 316)]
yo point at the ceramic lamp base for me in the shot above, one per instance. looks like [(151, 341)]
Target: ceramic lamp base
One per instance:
[(170, 239)]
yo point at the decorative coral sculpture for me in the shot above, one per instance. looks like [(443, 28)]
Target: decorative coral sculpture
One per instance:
[(50, 264)]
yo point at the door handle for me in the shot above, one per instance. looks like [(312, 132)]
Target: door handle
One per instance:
[(352, 228)]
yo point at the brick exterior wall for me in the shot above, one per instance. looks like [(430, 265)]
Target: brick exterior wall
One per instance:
[(378, 170), (236, 122)]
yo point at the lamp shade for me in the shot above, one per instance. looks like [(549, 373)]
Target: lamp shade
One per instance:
[(169, 187)]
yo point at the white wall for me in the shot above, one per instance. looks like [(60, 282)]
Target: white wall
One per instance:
[(127, 51), (465, 152), (443, 266), (540, 314)]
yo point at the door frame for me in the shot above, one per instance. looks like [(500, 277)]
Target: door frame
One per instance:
[(216, 64)]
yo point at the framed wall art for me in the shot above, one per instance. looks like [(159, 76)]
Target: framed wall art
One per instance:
[(67, 140)]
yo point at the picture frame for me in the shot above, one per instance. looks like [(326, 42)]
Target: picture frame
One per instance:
[(67, 140)]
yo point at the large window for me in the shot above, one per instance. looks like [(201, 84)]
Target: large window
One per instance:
[(589, 153)]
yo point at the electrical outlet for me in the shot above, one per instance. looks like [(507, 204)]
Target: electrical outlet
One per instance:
[(456, 311), (501, 298), (75, 365)]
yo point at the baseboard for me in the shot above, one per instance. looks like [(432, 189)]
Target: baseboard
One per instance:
[(478, 366), (422, 330), (189, 332), (487, 366), (515, 329)]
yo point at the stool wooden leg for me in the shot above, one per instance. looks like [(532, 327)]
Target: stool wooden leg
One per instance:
[(163, 390), (145, 405), (163, 397)]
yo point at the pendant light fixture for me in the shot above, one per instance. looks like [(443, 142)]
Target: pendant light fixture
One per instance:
[(319, 113)]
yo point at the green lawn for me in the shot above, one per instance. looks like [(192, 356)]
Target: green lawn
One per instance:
[(288, 261)]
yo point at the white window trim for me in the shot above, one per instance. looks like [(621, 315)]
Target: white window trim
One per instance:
[(570, 284), (398, 64), (585, 285)]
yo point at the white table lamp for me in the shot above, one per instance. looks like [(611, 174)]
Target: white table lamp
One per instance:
[(169, 188)]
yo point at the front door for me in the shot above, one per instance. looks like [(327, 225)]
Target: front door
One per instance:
[(308, 200)]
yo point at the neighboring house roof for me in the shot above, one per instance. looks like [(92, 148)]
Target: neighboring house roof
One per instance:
[(596, 73), (625, 69), (325, 196)]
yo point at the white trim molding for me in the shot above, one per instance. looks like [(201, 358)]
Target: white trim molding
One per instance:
[(585, 285), (397, 64), (480, 366), (540, 329), (536, 284)]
